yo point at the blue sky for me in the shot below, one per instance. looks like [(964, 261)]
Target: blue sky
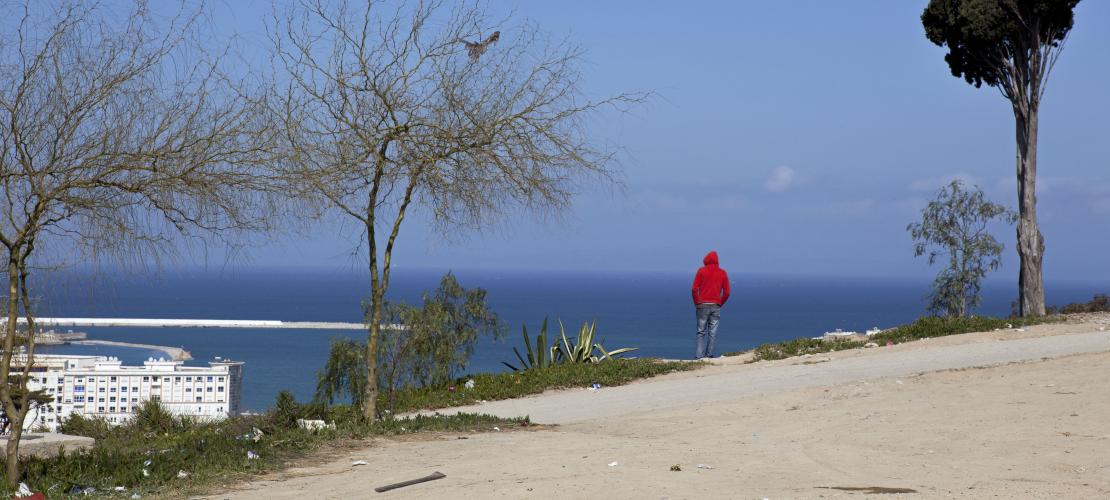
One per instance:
[(792, 137)]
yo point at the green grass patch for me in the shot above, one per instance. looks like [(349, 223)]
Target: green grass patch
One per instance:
[(934, 326), (925, 327), (508, 385), (801, 346), (172, 456)]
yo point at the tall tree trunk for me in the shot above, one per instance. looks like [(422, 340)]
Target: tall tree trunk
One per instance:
[(11, 458), (1030, 245), (11, 472), (370, 395)]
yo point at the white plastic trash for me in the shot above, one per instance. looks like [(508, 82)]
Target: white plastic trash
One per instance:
[(358, 462), (469, 384), (613, 464)]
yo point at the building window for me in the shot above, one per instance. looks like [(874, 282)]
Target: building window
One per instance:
[(134, 389), (100, 409), (134, 400), (220, 388), (165, 379), (177, 379), (100, 389), (123, 389), (78, 388), (112, 389), (221, 379), (188, 389), (209, 389), (146, 379), (111, 409), (101, 400), (199, 399), (209, 378), (112, 399), (80, 379), (188, 379), (79, 399)]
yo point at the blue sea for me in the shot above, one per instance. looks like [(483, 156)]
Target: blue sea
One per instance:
[(647, 310)]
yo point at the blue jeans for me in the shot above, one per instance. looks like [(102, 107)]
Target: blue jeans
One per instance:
[(709, 316)]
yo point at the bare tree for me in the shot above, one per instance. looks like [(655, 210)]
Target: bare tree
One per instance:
[(119, 136), (385, 110)]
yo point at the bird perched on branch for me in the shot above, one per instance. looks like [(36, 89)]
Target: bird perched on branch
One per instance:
[(476, 49)]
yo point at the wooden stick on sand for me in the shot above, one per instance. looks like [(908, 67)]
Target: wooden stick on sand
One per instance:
[(431, 477)]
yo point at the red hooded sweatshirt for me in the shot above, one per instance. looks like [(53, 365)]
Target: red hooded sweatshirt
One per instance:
[(711, 282)]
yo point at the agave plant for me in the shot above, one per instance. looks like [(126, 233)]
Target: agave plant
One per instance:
[(582, 351), (541, 357), (562, 351)]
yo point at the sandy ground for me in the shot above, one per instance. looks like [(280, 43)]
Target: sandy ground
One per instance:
[(1010, 414)]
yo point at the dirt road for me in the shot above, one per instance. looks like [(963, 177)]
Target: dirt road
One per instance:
[(1010, 414)]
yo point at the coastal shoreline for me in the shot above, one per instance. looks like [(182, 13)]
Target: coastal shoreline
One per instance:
[(175, 353)]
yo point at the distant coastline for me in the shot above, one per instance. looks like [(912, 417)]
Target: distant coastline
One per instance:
[(175, 353)]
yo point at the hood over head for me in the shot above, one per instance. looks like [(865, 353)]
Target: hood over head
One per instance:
[(710, 258)]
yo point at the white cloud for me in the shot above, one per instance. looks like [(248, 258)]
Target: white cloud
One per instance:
[(781, 179)]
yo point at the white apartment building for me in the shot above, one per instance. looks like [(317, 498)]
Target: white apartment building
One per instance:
[(100, 386)]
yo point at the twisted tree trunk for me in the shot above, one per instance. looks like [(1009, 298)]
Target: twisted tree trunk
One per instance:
[(1030, 242)]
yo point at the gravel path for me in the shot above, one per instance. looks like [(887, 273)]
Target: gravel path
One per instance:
[(736, 381)]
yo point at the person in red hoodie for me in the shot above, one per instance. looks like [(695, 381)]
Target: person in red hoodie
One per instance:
[(710, 292)]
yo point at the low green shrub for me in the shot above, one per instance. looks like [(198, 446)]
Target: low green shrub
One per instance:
[(925, 327), (936, 326), (494, 386), (151, 416), (171, 456), (286, 411), (1100, 303), (80, 425), (801, 346)]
